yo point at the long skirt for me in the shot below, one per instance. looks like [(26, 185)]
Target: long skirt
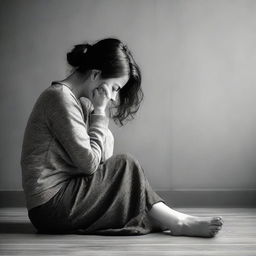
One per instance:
[(114, 200)]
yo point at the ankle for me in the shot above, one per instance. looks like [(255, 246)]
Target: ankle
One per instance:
[(183, 222), (177, 228)]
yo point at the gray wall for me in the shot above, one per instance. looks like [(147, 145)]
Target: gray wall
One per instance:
[(196, 127)]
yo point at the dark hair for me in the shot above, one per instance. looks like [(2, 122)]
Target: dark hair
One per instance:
[(114, 59)]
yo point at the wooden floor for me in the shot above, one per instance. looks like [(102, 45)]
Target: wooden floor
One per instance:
[(237, 237)]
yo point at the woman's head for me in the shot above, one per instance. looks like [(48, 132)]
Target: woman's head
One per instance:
[(115, 63)]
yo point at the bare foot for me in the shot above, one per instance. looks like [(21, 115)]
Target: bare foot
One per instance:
[(197, 226)]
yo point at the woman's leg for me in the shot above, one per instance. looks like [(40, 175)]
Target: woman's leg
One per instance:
[(181, 224), (178, 223)]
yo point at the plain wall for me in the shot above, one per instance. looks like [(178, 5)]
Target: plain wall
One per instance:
[(196, 126)]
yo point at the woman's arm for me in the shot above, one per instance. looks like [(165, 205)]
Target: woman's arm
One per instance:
[(108, 146), (65, 120), (108, 149)]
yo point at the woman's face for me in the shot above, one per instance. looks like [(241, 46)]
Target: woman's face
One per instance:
[(111, 86)]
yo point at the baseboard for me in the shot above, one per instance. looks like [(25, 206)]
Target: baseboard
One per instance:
[(174, 198), (210, 198)]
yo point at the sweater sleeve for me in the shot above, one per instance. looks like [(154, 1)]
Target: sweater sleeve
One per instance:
[(65, 120), (108, 146)]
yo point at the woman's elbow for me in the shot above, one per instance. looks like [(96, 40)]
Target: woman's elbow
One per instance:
[(89, 166)]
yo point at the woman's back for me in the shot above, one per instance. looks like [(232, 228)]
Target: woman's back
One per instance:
[(45, 162)]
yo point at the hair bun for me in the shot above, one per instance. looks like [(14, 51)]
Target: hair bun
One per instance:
[(76, 57)]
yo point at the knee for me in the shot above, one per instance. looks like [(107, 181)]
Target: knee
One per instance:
[(131, 161), (127, 157)]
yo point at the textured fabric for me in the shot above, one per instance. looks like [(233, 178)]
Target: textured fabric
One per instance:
[(115, 200), (62, 139), (72, 181)]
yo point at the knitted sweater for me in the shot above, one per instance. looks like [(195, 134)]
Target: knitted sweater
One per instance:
[(62, 138)]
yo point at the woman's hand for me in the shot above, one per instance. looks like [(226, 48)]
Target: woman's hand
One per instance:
[(101, 98)]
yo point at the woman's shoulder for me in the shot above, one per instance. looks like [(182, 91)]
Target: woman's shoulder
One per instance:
[(58, 96), (57, 93)]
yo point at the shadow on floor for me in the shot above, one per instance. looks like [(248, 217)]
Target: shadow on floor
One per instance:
[(20, 228)]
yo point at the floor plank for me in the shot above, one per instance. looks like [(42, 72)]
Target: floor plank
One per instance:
[(237, 237)]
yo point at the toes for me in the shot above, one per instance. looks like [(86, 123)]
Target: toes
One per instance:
[(215, 224), (213, 228), (217, 220), (213, 233), (219, 224)]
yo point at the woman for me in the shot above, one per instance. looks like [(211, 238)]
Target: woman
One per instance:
[(72, 181)]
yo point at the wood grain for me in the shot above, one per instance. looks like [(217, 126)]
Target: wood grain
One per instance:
[(237, 237)]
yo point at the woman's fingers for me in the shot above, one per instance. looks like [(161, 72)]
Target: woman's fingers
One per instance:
[(105, 90), (102, 92), (100, 97)]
